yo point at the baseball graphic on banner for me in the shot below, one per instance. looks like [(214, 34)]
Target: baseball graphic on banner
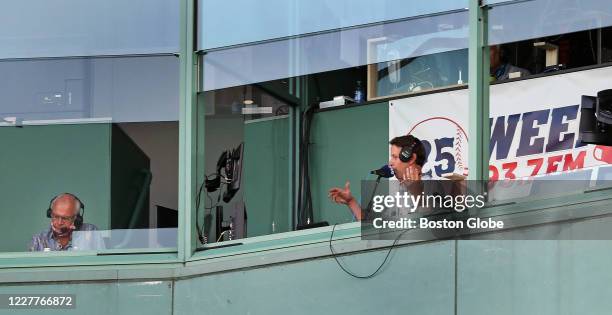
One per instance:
[(450, 152), (438, 120)]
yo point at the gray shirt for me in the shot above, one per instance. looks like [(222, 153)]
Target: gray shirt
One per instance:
[(86, 238)]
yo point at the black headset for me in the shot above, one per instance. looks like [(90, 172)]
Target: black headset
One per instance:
[(78, 221), (407, 151)]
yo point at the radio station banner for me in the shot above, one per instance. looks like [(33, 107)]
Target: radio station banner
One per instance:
[(534, 126)]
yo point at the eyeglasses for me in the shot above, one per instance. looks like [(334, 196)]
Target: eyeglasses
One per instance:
[(59, 218)]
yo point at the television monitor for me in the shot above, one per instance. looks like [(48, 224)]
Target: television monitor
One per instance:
[(233, 171)]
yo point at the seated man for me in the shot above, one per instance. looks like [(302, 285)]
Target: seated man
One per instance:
[(67, 230)]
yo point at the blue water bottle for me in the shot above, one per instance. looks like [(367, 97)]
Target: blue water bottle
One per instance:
[(358, 93)]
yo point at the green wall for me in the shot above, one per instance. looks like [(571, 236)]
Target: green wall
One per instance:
[(266, 175), (39, 162), (474, 277), (417, 280), (346, 144)]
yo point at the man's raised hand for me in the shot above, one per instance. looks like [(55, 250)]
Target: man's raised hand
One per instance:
[(341, 195)]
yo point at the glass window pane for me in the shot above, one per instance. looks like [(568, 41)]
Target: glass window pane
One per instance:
[(497, 2), (253, 21), (125, 176), (540, 18), (335, 50), (113, 89), (40, 28), (538, 124), (89, 110), (247, 164)]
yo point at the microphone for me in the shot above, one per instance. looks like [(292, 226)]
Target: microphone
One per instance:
[(385, 171), (62, 232)]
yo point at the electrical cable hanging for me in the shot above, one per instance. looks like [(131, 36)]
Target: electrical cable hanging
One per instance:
[(335, 255), (200, 229), (305, 212)]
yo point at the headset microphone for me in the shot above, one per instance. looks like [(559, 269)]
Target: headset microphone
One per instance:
[(78, 221), (405, 154)]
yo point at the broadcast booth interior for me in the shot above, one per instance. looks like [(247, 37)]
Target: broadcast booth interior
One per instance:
[(334, 112), (149, 150)]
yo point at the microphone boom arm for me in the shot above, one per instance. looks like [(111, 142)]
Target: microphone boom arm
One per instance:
[(373, 193)]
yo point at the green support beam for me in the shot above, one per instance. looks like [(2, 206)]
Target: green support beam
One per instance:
[(187, 130), (479, 130)]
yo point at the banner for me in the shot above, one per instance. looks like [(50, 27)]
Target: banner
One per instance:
[(534, 127)]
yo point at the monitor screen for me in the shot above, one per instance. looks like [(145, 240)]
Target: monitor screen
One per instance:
[(233, 171)]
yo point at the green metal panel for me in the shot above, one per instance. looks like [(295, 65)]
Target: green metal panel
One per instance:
[(478, 129), (187, 130), (144, 297), (416, 280), (560, 268), (68, 261), (534, 277), (293, 164), (265, 175), (38, 162), (346, 145)]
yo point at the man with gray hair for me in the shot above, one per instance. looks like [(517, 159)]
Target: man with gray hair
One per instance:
[(67, 231)]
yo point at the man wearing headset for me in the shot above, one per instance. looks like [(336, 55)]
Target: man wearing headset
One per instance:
[(407, 159), (66, 230)]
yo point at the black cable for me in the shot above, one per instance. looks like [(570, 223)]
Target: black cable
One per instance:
[(592, 48), (211, 201), (305, 195), (202, 238), (377, 269), (199, 229)]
